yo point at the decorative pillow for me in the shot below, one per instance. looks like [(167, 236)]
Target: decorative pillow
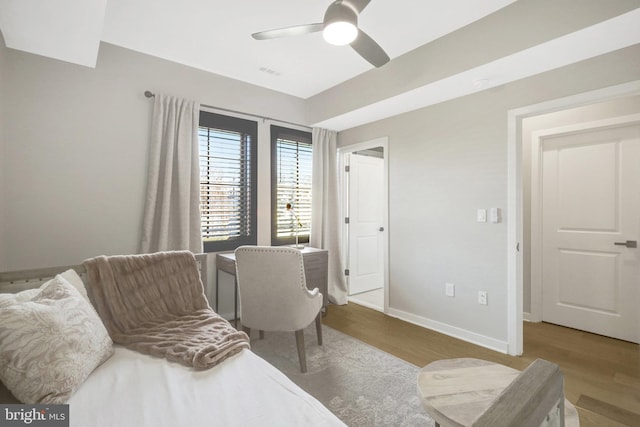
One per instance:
[(50, 342), (72, 277), (69, 275)]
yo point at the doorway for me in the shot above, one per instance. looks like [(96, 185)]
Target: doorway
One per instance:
[(585, 205), (364, 207), (516, 239)]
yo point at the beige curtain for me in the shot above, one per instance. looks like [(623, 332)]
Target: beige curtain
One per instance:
[(325, 222), (172, 207)]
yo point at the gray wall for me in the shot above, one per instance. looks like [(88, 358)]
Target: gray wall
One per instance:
[(445, 162), (3, 102), (76, 148)]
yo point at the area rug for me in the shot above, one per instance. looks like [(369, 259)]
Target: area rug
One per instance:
[(361, 385)]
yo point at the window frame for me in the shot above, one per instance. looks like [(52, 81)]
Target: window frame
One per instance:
[(279, 132), (212, 120)]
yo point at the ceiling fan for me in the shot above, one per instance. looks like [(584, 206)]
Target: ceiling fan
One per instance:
[(339, 27)]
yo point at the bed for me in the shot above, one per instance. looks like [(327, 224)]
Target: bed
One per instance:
[(135, 389)]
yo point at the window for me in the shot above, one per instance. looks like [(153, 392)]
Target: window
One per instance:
[(291, 163), (228, 166)]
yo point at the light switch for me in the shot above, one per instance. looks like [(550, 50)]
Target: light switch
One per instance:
[(494, 215), (450, 290), (481, 215)]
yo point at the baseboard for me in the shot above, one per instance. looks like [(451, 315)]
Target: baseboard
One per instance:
[(531, 317), (365, 304), (452, 331)]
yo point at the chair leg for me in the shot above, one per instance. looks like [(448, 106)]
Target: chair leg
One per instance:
[(301, 354), (319, 328), (261, 334)]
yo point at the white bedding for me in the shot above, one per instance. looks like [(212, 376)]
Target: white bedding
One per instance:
[(133, 389)]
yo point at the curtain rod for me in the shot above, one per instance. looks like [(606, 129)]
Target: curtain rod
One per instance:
[(150, 94)]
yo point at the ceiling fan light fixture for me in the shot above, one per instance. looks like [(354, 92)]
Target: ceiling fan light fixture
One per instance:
[(340, 24), (340, 33), (339, 27)]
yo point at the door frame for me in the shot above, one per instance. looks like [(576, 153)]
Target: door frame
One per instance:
[(537, 145), (343, 153), (514, 195)]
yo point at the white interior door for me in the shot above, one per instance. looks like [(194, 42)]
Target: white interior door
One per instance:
[(366, 202), (590, 209)]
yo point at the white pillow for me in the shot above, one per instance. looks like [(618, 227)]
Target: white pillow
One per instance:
[(32, 284), (72, 277), (50, 341)]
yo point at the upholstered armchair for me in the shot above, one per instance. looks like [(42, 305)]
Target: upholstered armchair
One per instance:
[(274, 294)]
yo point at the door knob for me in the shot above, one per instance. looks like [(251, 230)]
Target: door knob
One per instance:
[(628, 243), (381, 229)]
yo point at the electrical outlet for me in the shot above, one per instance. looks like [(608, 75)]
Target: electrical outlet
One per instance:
[(450, 290), (482, 297)]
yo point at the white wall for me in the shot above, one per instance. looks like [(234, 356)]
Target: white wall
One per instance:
[(602, 110), (445, 162), (76, 154)]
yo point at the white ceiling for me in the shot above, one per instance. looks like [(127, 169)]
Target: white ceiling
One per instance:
[(215, 35), (50, 29)]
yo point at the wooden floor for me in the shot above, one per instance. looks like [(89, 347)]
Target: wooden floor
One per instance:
[(602, 375)]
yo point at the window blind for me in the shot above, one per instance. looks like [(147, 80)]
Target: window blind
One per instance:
[(292, 163), (227, 182)]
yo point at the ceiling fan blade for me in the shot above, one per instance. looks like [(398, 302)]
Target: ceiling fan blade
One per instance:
[(287, 32), (369, 49), (358, 5)]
